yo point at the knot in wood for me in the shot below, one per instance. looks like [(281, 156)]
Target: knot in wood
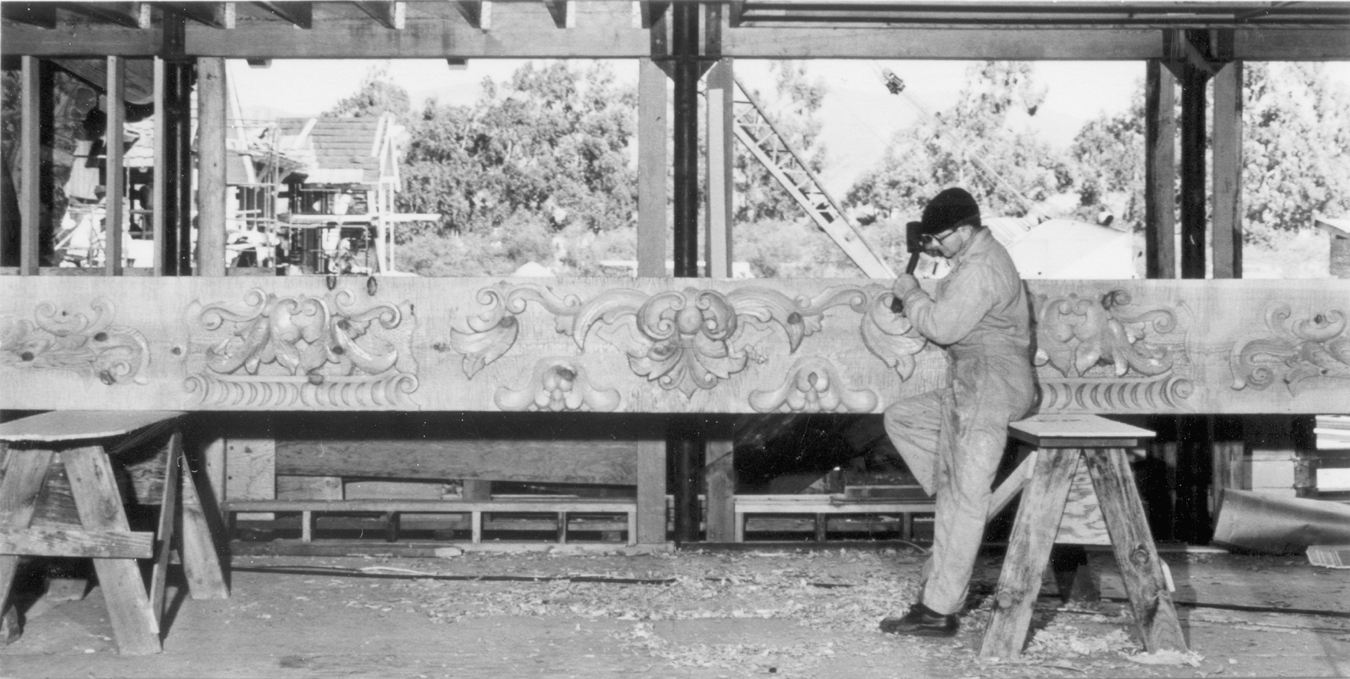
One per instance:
[(1139, 556)]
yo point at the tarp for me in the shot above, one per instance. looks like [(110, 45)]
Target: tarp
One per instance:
[(1069, 249)]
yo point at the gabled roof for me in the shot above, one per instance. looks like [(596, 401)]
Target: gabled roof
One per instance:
[(338, 150)]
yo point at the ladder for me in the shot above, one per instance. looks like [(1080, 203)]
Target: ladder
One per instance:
[(762, 139)]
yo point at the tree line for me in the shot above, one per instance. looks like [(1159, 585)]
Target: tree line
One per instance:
[(542, 167)]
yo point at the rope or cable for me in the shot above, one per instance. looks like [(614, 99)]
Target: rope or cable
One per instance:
[(993, 175)]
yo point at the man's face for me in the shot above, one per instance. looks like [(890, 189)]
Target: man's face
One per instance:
[(947, 243)]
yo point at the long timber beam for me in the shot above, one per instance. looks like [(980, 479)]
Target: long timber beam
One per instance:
[(646, 345), (602, 36)]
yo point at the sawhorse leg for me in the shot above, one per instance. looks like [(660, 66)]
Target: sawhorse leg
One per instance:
[(1155, 616), (135, 625), (1033, 534), (25, 472)]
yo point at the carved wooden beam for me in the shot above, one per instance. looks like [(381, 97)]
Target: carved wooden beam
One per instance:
[(300, 14), (478, 14), (391, 15), (649, 345), (129, 14), (563, 13), (39, 14)]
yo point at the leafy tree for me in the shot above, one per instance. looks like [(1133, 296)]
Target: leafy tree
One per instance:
[(377, 94), (551, 141), (1296, 127), (971, 144)]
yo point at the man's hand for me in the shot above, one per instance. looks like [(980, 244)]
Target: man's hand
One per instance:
[(904, 284)]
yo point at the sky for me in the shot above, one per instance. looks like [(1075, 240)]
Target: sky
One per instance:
[(858, 117)]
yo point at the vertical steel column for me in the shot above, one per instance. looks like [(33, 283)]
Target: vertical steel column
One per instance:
[(684, 441)]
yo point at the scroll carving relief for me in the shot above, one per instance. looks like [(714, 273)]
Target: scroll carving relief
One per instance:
[(692, 339), (558, 384), (813, 386), (315, 352), (1296, 351), (1107, 356), (59, 340)]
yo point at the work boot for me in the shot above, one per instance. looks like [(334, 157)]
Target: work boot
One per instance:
[(921, 621)]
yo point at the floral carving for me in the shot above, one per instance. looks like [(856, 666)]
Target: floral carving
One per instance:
[(316, 351), (1298, 351), (493, 332), (58, 340), (1107, 358), (813, 386), (684, 340), (558, 384), (1076, 334)]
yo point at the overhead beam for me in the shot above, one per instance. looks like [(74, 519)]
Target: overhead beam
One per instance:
[(390, 14), (299, 14), (128, 14), (39, 14), (478, 14), (212, 14), (525, 30)]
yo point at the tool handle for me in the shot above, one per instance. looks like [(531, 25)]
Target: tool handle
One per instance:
[(897, 305)]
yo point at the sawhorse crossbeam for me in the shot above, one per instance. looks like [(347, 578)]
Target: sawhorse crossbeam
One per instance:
[(1064, 442)]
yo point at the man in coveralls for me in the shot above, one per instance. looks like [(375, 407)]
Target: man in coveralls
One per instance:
[(953, 438)]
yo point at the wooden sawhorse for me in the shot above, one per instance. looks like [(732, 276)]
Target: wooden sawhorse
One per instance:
[(35, 520), (1062, 441)]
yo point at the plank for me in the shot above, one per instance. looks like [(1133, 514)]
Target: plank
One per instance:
[(718, 168), (454, 344), (1059, 430), (201, 560), (168, 515), (651, 492), (91, 480), (25, 471), (542, 504), (720, 476), (1160, 130), (115, 181), (1226, 145), (1082, 522), (1155, 616), (211, 158), (1033, 534), (30, 164), (163, 147), (653, 114), (598, 461), (250, 470), (75, 543), (309, 487), (82, 425)]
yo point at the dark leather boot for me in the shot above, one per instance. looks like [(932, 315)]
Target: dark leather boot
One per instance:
[(921, 621)]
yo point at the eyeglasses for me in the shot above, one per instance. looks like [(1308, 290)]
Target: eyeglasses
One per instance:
[(928, 240)]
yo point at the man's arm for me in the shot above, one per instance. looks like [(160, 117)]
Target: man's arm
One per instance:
[(965, 299)]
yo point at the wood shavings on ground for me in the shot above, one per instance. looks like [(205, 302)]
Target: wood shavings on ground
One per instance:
[(1167, 657)]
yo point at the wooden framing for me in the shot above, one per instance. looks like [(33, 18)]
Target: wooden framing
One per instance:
[(30, 161), (211, 158), (1227, 149), (652, 116), (1160, 175), (116, 173), (718, 99)]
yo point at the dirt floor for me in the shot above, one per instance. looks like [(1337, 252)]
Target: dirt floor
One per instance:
[(773, 612)]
